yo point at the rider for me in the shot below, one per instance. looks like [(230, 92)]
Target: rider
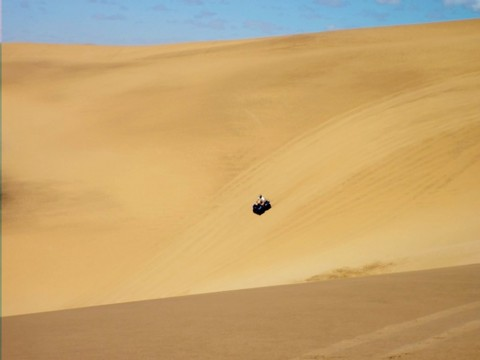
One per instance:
[(261, 200)]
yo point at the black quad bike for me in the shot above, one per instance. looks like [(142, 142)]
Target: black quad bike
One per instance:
[(259, 209)]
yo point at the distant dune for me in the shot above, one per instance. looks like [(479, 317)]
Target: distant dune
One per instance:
[(129, 172)]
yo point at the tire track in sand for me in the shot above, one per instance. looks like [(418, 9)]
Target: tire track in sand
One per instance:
[(342, 348), (451, 333)]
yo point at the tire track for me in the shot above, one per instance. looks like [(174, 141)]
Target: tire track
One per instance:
[(335, 350), (432, 341)]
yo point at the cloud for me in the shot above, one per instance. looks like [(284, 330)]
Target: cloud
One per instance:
[(205, 15), (160, 8), (390, 2), (38, 5), (331, 27), (331, 3), (376, 15), (113, 17), (103, 2), (262, 26), (215, 24), (472, 4), (310, 13), (193, 2), (109, 3), (207, 20)]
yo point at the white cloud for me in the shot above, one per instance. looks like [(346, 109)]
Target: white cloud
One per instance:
[(103, 2), (193, 2), (104, 17), (159, 8), (391, 2), (215, 24), (331, 3), (205, 15), (472, 4)]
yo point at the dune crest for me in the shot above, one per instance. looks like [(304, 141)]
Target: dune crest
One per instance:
[(129, 173)]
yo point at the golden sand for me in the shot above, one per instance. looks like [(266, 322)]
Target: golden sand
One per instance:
[(129, 172)]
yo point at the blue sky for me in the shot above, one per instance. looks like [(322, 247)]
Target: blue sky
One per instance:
[(127, 22)]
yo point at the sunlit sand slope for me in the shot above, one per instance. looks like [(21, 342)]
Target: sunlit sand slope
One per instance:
[(129, 173)]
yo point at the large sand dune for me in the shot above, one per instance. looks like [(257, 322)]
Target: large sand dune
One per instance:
[(425, 315), (129, 172)]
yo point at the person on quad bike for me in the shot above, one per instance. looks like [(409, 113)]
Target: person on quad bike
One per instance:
[(261, 200)]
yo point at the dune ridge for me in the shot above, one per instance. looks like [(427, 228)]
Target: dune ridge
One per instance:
[(129, 172)]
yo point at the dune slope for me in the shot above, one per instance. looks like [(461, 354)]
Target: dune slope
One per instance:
[(129, 172), (430, 314)]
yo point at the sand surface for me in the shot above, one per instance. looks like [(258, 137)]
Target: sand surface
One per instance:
[(129, 172), (431, 314)]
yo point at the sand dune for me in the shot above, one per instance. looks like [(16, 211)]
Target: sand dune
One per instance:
[(129, 172), (431, 314)]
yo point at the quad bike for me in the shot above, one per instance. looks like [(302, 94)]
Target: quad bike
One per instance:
[(259, 209)]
